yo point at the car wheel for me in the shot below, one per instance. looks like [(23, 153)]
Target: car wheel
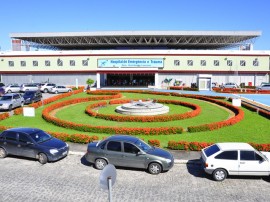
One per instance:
[(100, 163), (3, 153), (9, 107), (9, 91), (56, 92), (42, 158), (45, 90), (219, 174), (69, 91), (154, 168), (22, 104)]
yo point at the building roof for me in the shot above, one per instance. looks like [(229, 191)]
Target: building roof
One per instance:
[(137, 39)]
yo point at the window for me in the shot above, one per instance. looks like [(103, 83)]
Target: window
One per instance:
[(190, 62), (227, 155), (256, 62), (11, 136), (203, 62), (85, 62), (35, 63), (216, 62), (11, 63), (229, 63), (23, 63), (114, 146), (130, 148), (47, 63), (242, 63), (176, 63), (211, 150), (250, 156), (72, 62), (23, 138), (59, 62)]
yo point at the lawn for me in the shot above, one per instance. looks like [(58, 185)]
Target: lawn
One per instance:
[(253, 128)]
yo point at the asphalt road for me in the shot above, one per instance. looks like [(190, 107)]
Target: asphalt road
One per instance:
[(72, 179)]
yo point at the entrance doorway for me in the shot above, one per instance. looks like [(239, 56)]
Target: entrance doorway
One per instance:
[(130, 80)]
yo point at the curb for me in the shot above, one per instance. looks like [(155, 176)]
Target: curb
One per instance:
[(176, 161)]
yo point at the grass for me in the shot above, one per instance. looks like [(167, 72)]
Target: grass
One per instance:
[(253, 128)]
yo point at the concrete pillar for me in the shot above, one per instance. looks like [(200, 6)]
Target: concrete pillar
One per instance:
[(156, 81), (98, 80)]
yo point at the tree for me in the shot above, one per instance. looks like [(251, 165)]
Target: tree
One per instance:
[(89, 82)]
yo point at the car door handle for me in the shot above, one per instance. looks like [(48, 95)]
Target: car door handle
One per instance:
[(242, 162)]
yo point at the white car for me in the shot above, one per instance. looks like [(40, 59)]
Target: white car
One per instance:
[(60, 89), (12, 88), (223, 159), (230, 85), (29, 86), (10, 101), (46, 87)]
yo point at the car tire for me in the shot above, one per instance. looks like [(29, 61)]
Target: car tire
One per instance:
[(219, 174), (45, 90), (69, 91), (56, 92), (3, 153), (154, 168), (42, 158), (10, 108), (9, 91), (100, 164), (22, 103)]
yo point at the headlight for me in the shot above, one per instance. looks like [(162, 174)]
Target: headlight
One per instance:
[(168, 160), (53, 151), (67, 144), (5, 105)]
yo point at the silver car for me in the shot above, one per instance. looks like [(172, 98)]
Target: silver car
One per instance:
[(29, 86), (60, 89), (128, 151), (11, 101), (263, 87), (230, 85), (12, 88)]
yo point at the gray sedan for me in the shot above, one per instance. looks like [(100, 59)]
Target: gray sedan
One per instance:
[(60, 89), (128, 151), (10, 101)]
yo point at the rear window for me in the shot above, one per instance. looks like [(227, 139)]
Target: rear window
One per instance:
[(211, 150)]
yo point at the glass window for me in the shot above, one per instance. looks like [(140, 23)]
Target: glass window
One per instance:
[(229, 62), (227, 155), (255, 62), (190, 62), (176, 63), (250, 156), (11, 63), (85, 62), (130, 148), (11, 136), (35, 63), (23, 138), (203, 62), (47, 63), (40, 136), (211, 150), (216, 62), (114, 146), (59, 62), (242, 63), (23, 63), (72, 62)]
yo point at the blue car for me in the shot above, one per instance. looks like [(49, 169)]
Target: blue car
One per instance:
[(32, 143)]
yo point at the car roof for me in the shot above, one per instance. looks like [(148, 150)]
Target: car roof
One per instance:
[(126, 138), (24, 130), (234, 145)]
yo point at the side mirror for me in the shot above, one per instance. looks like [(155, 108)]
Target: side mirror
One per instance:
[(140, 153)]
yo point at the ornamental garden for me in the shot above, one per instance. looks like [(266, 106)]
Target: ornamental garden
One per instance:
[(192, 123)]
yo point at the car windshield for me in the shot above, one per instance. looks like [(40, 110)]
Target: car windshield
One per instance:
[(263, 155), (6, 98), (142, 145), (40, 136), (29, 93)]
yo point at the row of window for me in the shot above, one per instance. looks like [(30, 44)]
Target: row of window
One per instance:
[(47, 63), (244, 156), (216, 63)]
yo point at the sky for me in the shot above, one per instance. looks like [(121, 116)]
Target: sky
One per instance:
[(137, 15)]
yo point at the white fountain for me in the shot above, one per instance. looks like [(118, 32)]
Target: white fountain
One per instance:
[(142, 108)]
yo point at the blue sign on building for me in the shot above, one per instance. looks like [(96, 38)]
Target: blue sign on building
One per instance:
[(129, 63)]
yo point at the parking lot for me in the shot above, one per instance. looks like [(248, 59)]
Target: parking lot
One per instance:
[(72, 179)]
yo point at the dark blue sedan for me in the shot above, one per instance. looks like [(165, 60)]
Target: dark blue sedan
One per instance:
[(32, 143)]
